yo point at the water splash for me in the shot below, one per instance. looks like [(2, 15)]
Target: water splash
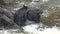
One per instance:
[(32, 29)]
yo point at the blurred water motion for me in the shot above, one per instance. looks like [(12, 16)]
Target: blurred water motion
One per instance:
[(31, 29)]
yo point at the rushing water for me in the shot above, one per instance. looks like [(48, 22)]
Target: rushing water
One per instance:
[(32, 29)]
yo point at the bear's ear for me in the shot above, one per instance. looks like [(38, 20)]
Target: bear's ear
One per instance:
[(25, 6)]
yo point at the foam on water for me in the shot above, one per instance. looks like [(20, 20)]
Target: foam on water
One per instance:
[(32, 29)]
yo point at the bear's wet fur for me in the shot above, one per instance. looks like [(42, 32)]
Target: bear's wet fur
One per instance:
[(25, 14)]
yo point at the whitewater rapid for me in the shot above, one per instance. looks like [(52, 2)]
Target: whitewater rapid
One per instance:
[(32, 29)]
